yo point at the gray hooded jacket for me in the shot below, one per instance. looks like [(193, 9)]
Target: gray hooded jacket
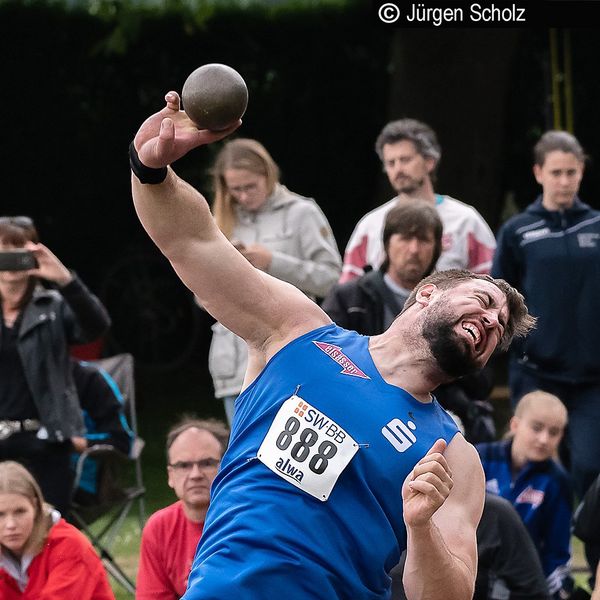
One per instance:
[(305, 254)]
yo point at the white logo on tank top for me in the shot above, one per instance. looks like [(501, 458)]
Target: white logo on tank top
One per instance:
[(399, 434)]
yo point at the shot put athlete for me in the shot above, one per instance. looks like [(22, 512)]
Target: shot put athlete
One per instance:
[(339, 457)]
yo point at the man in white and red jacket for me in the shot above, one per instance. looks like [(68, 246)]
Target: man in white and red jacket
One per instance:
[(410, 152)]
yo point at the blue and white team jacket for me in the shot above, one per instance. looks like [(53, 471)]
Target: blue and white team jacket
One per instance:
[(553, 259), (541, 493)]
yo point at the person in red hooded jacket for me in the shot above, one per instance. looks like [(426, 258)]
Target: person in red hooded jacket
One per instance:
[(42, 557)]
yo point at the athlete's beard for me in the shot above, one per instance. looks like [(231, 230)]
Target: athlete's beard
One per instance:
[(450, 351)]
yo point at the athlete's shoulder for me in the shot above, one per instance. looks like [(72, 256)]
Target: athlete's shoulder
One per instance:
[(467, 470), (332, 334)]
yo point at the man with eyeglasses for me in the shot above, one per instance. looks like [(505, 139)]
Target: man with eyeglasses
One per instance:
[(170, 537)]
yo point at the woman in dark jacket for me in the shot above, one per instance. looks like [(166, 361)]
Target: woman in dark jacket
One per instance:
[(39, 407)]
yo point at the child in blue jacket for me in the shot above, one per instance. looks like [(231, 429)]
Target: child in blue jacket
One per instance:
[(523, 470)]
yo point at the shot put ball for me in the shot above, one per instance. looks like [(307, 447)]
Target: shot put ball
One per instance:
[(214, 96)]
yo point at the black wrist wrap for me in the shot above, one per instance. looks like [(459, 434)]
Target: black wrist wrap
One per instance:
[(142, 172)]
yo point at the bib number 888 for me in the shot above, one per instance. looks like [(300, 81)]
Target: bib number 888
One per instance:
[(301, 449)]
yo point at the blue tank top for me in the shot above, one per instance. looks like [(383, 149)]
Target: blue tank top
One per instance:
[(307, 503)]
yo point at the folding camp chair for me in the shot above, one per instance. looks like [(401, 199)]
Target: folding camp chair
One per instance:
[(108, 481)]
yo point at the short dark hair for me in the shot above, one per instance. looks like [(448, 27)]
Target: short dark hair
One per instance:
[(520, 322), (417, 132), (18, 230), (412, 217), (562, 141), (213, 426)]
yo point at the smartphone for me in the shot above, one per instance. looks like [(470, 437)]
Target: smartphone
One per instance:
[(17, 260)]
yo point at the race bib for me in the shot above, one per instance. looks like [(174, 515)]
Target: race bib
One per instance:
[(306, 448)]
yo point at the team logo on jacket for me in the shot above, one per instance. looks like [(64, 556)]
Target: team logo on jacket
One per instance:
[(336, 354), (530, 496), (492, 486), (588, 240), (536, 233)]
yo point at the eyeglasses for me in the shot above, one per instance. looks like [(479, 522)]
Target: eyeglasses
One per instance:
[(20, 221), (249, 189), (204, 464)]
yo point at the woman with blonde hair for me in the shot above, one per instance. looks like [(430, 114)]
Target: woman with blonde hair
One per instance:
[(278, 231), (41, 555)]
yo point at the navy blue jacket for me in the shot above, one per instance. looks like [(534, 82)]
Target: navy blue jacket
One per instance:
[(553, 259), (541, 493)]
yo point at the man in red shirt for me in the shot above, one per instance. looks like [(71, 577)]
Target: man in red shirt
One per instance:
[(170, 537)]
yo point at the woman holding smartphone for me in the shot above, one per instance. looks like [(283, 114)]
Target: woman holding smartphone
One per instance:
[(277, 231), (39, 407)]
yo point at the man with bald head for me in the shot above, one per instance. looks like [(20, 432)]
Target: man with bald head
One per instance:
[(194, 451)]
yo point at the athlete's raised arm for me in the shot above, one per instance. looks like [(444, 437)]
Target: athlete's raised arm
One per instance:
[(264, 311)]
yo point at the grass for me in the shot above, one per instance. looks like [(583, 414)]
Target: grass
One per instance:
[(580, 568), (126, 550), (127, 545)]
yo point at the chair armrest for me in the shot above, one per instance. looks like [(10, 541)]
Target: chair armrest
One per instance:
[(95, 451)]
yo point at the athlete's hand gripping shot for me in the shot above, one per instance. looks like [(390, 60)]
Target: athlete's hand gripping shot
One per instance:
[(339, 457)]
